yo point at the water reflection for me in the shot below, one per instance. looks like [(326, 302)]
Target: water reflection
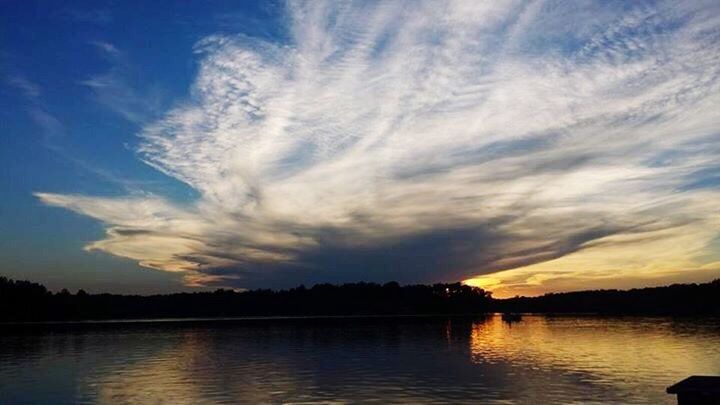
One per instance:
[(539, 359), (638, 357)]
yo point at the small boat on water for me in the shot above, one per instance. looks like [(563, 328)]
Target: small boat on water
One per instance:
[(510, 317)]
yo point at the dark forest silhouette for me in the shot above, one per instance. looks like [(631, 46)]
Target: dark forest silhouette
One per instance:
[(28, 301), (23, 300), (676, 299)]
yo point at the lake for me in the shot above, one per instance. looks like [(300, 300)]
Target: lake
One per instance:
[(540, 359)]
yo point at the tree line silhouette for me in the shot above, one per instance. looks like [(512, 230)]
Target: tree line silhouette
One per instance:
[(28, 301), (676, 299)]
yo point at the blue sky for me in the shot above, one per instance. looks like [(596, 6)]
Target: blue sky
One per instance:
[(525, 146), (62, 135)]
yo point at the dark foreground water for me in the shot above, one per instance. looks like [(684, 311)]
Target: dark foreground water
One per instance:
[(409, 360)]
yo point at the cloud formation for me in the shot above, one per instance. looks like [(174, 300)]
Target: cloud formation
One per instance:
[(115, 89), (539, 141)]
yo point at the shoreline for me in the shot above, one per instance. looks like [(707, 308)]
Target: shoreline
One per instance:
[(292, 318)]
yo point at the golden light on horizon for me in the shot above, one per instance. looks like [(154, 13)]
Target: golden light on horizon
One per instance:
[(486, 283), (642, 259)]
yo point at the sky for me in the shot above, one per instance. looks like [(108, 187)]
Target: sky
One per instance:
[(521, 146)]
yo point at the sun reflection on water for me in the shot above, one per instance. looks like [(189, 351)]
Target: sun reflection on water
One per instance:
[(423, 360), (631, 354)]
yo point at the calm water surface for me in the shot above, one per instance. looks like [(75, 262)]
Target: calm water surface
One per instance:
[(410, 360)]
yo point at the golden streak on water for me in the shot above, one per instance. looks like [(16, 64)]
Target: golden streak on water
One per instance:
[(414, 360), (631, 354)]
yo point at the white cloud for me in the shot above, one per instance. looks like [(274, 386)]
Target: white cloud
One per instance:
[(116, 89), (30, 90), (477, 138)]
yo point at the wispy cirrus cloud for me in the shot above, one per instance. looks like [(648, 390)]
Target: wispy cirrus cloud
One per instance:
[(439, 141), (30, 90), (116, 90), (51, 129), (53, 132)]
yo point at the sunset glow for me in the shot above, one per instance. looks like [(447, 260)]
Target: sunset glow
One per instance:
[(518, 146)]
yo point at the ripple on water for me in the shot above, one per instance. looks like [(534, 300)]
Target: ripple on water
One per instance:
[(433, 360)]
